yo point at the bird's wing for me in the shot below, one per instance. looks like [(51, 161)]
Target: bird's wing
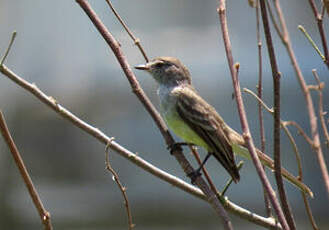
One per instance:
[(203, 119)]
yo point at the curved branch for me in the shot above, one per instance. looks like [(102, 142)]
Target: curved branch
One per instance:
[(140, 162), (243, 118), (43, 213)]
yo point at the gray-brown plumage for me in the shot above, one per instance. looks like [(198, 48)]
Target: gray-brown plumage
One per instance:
[(187, 114)]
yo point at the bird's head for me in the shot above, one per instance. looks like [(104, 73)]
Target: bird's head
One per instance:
[(167, 71)]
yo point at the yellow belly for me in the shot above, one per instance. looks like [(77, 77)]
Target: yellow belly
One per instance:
[(181, 129)]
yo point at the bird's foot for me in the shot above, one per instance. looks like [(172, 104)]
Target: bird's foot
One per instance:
[(194, 175), (177, 146)]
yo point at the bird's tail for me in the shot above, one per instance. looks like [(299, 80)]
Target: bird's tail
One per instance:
[(268, 162), (230, 167)]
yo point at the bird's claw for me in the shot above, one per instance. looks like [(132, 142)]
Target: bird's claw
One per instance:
[(194, 175), (177, 146)]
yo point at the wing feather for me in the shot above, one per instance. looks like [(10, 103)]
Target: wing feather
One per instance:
[(205, 121)]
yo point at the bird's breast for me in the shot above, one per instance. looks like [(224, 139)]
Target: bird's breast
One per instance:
[(168, 109)]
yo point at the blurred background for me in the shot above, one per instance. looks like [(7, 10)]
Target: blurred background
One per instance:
[(59, 49)]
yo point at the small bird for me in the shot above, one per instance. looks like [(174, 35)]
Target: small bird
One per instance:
[(198, 123), (189, 115)]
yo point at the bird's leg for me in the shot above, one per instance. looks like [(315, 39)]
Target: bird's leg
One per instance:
[(177, 146), (195, 174)]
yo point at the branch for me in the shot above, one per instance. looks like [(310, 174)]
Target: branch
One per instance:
[(300, 175), (43, 213), (284, 125), (131, 35), (244, 123), (118, 182), (267, 161), (309, 104), (260, 94), (321, 112), (277, 145), (309, 38), (133, 158), (319, 18)]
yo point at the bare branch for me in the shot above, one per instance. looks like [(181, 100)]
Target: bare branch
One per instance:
[(118, 182), (284, 125), (309, 38), (268, 207), (274, 22), (43, 213), (244, 123), (138, 161), (3, 59), (300, 175), (131, 35), (321, 112), (276, 94), (309, 103), (319, 19)]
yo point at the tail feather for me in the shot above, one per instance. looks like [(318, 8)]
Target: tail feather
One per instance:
[(232, 169)]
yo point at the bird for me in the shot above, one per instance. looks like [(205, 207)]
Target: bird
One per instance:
[(194, 120), (188, 115)]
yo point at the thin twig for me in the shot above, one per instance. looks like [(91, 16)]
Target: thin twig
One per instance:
[(309, 38), (3, 59), (263, 156), (300, 131), (204, 170), (273, 20), (131, 35), (326, 6), (230, 181), (309, 104), (300, 175), (118, 182), (284, 125), (270, 110), (244, 123), (276, 94), (186, 166), (319, 19), (43, 213), (268, 207), (321, 112)]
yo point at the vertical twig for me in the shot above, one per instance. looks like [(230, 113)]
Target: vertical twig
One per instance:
[(316, 144), (277, 145), (300, 174), (212, 198), (118, 182), (284, 125), (13, 36), (260, 94), (131, 35), (244, 123), (319, 19), (321, 112), (43, 213)]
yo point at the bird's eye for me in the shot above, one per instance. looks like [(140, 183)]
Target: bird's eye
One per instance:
[(159, 65)]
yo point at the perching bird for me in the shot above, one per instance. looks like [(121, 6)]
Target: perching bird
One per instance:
[(187, 114), (197, 122)]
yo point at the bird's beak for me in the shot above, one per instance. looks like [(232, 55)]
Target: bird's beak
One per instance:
[(142, 67)]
